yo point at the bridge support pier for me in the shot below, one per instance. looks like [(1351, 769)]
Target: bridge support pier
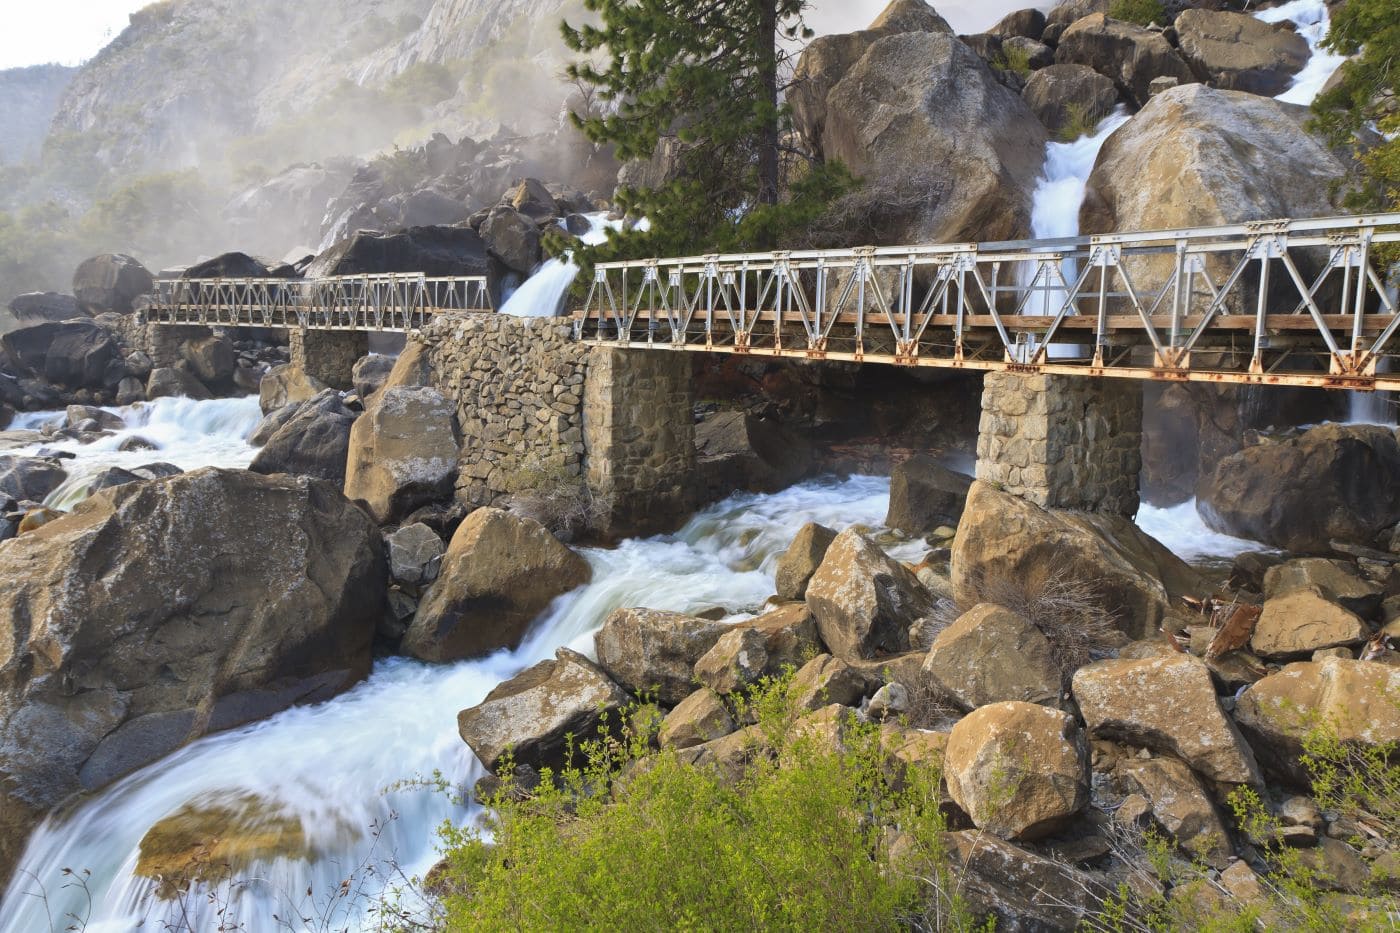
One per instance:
[(639, 433), (329, 355), (1063, 442)]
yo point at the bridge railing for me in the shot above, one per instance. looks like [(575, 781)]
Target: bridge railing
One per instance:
[(390, 302), (1301, 301)]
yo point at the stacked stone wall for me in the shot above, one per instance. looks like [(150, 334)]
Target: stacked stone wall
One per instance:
[(1065, 442), (328, 355), (518, 384), (541, 412)]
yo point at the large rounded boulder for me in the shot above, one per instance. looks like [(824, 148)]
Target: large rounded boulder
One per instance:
[(1006, 543), (1197, 156), (111, 282), (500, 571), (403, 452), (1334, 482), (314, 441), (158, 612), (75, 354), (1241, 53), (949, 153), (1019, 770)]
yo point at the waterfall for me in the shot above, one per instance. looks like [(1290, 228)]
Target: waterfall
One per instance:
[(1313, 22), (1055, 204), (543, 293)]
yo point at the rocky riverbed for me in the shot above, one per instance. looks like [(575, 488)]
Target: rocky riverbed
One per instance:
[(260, 634)]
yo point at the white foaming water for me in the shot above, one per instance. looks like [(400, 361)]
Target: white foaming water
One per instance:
[(1060, 191), (542, 294), (1055, 205), (333, 767), (188, 433), (1185, 534), (329, 766), (1313, 24)]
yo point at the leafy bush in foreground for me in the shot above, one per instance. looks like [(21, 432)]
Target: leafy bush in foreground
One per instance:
[(802, 841)]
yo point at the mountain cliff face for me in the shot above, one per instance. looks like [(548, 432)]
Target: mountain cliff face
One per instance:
[(192, 82), (187, 77), (28, 99)]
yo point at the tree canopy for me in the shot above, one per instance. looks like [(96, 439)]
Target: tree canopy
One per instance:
[(697, 85), (1366, 95)]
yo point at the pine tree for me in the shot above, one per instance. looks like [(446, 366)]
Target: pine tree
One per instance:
[(704, 79), (1368, 94)]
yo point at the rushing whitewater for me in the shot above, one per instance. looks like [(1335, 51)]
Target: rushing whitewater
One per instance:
[(187, 433), (1313, 23), (334, 767), (1055, 204), (543, 293)]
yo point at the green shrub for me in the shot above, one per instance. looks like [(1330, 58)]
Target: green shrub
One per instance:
[(1141, 12), (1078, 123), (1015, 59), (631, 840)]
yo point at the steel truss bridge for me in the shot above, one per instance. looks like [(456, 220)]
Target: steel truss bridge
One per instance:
[(389, 302), (1286, 302)]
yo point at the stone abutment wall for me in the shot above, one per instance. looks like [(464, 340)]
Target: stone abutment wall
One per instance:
[(541, 413)]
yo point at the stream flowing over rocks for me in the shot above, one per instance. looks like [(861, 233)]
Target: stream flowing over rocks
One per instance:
[(404, 717), (257, 614)]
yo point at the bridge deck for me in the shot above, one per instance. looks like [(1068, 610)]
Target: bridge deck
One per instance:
[(1275, 302)]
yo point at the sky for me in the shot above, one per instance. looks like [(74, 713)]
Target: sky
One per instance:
[(64, 31), (72, 31)]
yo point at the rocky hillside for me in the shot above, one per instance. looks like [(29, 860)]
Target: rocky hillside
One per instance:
[(28, 99)]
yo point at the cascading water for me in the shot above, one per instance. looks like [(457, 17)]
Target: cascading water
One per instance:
[(187, 433), (328, 767), (1055, 208), (333, 768), (1314, 22), (542, 294)]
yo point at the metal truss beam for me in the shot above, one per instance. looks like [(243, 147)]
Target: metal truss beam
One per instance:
[(1285, 302)]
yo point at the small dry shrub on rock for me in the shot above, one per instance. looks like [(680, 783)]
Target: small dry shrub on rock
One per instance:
[(1068, 611)]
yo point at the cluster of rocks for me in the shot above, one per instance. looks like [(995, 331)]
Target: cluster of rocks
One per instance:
[(1047, 763), (953, 149), (91, 347), (27, 481)]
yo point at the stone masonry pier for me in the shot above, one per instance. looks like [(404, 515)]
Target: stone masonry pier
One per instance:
[(541, 414), (1063, 442)]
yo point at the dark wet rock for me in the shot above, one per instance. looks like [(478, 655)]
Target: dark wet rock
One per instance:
[(155, 613), (925, 495), (1331, 483), (111, 282), (30, 478), (314, 441), (175, 383)]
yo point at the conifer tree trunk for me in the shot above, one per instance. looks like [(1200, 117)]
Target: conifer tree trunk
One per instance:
[(768, 72)]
